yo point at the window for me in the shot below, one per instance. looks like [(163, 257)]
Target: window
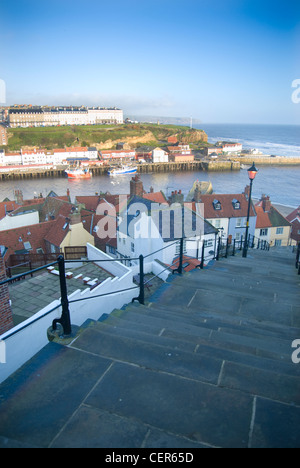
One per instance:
[(39, 250), (279, 230), (132, 247), (263, 232), (217, 204), (238, 236), (218, 223), (277, 242), (27, 246), (236, 204), (239, 222)]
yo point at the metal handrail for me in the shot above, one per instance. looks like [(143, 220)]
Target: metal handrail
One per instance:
[(65, 321)]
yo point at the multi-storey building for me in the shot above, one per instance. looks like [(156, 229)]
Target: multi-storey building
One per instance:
[(57, 156), (37, 116)]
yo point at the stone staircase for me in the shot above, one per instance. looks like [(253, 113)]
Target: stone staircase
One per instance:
[(206, 363)]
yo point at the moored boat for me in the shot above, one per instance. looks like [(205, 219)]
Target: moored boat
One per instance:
[(78, 173), (120, 170)]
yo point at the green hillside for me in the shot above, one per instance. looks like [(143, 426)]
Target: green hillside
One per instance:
[(89, 135)]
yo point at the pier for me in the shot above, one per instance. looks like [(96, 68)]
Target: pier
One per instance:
[(146, 168)]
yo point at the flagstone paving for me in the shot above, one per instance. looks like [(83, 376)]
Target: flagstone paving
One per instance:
[(205, 363)]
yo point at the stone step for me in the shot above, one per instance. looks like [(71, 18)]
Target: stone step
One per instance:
[(149, 355), (192, 366), (228, 303), (263, 346), (192, 343), (234, 325)]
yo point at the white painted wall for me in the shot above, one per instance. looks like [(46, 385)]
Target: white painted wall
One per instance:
[(21, 344), (20, 220)]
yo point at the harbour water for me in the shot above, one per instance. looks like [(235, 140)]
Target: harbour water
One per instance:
[(280, 183)]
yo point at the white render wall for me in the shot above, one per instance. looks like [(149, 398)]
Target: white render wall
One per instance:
[(20, 220), (21, 344)]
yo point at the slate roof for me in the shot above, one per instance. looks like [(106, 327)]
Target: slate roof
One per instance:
[(174, 219)]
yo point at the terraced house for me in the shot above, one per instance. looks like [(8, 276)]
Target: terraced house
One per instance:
[(271, 226)]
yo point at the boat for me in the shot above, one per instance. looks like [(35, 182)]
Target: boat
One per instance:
[(119, 170), (78, 173)]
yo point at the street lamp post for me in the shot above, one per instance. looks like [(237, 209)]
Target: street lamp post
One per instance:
[(252, 171)]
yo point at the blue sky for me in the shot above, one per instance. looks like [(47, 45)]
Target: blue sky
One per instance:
[(218, 61)]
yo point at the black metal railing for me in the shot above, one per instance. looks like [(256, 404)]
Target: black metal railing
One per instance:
[(221, 250), (298, 258), (231, 247)]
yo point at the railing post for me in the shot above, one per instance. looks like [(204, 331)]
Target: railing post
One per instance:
[(65, 316), (297, 256), (218, 249), (180, 267), (233, 250), (227, 246), (202, 256), (141, 297)]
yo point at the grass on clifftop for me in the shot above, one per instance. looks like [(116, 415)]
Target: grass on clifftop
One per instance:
[(88, 135)]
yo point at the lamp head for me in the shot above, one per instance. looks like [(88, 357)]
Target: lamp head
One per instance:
[(252, 171)]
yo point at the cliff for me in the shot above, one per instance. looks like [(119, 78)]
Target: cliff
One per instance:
[(101, 136)]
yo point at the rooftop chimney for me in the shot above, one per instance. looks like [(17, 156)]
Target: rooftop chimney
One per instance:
[(136, 187), (75, 218), (177, 197), (266, 203)]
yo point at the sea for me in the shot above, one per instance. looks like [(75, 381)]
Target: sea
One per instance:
[(281, 183)]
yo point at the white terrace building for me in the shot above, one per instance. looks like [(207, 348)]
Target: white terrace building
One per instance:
[(148, 227)]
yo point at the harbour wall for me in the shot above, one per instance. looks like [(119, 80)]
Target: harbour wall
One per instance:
[(207, 166), (267, 160)]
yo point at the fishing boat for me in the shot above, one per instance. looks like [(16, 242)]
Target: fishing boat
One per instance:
[(120, 170), (78, 173)]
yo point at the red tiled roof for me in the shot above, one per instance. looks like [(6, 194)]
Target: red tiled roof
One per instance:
[(58, 231), (294, 215), (157, 197), (7, 206), (227, 208), (90, 201), (13, 239), (262, 220)]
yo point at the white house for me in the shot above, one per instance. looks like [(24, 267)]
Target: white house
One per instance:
[(232, 147), (159, 156), (146, 228)]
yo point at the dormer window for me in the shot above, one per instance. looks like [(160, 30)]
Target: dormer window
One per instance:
[(217, 204), (236, 204)]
